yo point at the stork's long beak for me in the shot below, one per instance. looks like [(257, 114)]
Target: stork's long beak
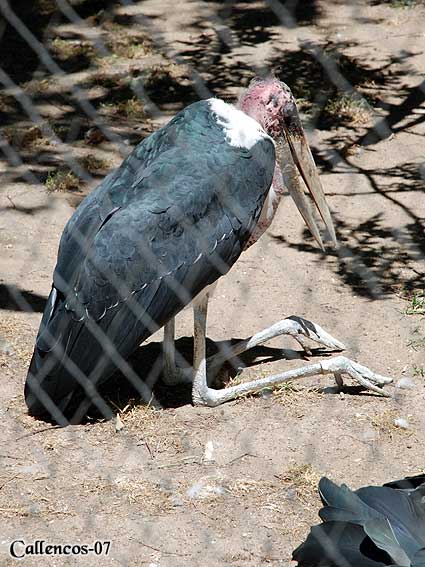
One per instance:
[(299, 170)]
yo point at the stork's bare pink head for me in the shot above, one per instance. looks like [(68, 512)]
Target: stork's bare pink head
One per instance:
[(270, 102)]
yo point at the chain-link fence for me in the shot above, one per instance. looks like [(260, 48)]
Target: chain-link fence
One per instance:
[(83, 83)]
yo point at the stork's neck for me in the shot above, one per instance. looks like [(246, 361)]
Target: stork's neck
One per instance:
[(269, 208)]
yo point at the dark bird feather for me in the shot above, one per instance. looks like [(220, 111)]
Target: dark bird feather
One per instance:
[(172, 219), (374, 526)]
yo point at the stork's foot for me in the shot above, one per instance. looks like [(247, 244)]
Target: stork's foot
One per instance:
[(297, 327), (339, 365), (303, 328), (364, 376)]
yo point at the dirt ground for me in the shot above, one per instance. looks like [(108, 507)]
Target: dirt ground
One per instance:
[(235, 485)]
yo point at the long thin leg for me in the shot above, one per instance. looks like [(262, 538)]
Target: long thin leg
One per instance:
[(169, 350), (295, 326), (200, 389), (203, 395), (173, 374)]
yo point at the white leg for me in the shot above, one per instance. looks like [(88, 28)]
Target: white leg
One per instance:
[(203, 395), (173, 374), (295, 326), (200, 389)]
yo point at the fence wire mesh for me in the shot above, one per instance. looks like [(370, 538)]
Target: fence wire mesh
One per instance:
[(145, 478)]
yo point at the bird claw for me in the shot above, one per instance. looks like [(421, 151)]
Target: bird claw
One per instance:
[(304, 328), (366, 377), (303, 343)]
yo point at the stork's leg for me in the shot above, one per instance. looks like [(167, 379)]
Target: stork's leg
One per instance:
[(173, 374), (295, 326), (203, 395)]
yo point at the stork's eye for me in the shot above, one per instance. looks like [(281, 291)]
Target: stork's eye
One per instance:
[(274, 100)]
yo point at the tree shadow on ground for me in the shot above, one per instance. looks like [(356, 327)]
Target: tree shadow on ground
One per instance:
[(398, 3), (328, 100), (397, 113), (373, 258), (251, 21), (122, 75), (89, 88)]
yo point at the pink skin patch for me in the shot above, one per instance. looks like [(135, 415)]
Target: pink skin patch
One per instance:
[(265, 100)]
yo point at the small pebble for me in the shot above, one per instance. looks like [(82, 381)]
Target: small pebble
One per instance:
[(401, 422), (209, 451), (202, 489), (291, 493), (118, 423), (266, 394), (405, 383)]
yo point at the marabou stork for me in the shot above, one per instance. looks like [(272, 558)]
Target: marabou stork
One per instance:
[(373, 526), (157, 234)]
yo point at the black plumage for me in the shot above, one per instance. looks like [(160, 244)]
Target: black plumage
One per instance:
[(374, 526), (173, 218)]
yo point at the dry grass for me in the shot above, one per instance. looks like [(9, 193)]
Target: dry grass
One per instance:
[(7, 103), (386, 424), (127, 46), (417, 342), (352, 110), (12, 331), (303, 480), (131, 108), (39, 504), (23, 137), (286, 389), (301, 477), (295, 398), (46, 6), (94, 164), (150, 496), (153, 496), (62, 181), (419, 371), (417, 304), (289, 394), (240, 487), (166, 74), (65, 49), (122, 42), (136, 414), (157, 431), (36, 86)]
